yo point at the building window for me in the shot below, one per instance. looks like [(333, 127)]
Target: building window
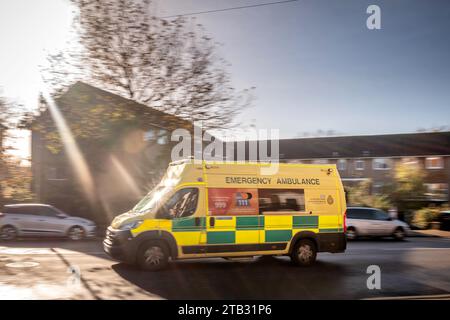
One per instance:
[(382, 164), (320, 161), (377, 188), (342, 164), (163, 137), (51, 173), (434, 163), (54, 173), (150, 135), (437, 191), (359, 165), (413, 162)]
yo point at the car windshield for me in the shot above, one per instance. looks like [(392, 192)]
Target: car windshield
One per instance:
[(151, 200)]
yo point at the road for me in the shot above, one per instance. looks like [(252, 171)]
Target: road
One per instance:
[(49, 269)]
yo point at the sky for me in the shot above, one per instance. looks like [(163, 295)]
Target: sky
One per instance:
[(316, 66), (29, 30), (314, 63)]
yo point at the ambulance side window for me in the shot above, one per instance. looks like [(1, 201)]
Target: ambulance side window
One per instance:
[(281, 200), (182, 204)]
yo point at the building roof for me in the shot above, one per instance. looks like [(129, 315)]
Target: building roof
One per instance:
[(164, 120), (366, 146), (389, 145), (81, 93)]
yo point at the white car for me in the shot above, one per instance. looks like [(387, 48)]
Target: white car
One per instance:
[(39, 220), (371, 222)]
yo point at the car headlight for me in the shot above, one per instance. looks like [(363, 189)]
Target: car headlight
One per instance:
[(130, 225)]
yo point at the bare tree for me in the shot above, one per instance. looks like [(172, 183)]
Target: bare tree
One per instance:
[(4, 113), (15, 179), (168, 65), (3, 127)]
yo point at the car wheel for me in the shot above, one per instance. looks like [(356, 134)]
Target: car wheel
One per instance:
[(399, 234), (8, 233), (351, 234), (76, 233), (304, 253), (153, 256)]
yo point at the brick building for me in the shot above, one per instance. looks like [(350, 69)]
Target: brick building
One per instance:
[(123, 167), (374, 157)]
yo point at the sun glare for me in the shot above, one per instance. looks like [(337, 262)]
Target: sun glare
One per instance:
[(73, 152), (127, 178)]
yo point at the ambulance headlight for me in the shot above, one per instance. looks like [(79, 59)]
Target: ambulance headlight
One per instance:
[(130, 225)]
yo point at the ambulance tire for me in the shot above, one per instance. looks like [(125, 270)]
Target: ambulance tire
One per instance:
[(304, 253), (153, 255)]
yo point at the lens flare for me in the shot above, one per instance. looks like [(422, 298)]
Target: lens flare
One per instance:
[(128, 179), (74, 154)]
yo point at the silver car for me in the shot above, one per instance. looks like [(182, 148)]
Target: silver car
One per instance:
[(19, 220), (362, 222)]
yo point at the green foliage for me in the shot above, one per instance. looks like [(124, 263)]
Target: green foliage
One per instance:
[(408, 190), (15, 179), (361, 195), (16, 182), (423, 217), (406, 193)]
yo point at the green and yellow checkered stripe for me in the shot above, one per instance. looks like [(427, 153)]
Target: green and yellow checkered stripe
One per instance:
[(251, 229)]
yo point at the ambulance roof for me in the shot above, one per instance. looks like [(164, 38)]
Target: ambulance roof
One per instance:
[(251, 174)]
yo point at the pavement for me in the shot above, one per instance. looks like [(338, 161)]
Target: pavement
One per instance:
[(431, 233), (58, 269)]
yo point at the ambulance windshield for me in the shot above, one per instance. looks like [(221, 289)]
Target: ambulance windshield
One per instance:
[(151, 200)]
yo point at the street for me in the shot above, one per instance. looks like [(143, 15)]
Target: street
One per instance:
[(49, 270)]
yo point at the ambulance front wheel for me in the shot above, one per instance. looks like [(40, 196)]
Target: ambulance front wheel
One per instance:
[(304, 253), (153, 256)]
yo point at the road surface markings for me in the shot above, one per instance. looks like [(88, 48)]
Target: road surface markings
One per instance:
[(23, 264)]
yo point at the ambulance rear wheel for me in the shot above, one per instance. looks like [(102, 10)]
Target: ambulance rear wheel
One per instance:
[(304, 253), (153, 256)]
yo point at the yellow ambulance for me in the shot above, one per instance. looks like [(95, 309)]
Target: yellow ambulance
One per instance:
[(232, 210)]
